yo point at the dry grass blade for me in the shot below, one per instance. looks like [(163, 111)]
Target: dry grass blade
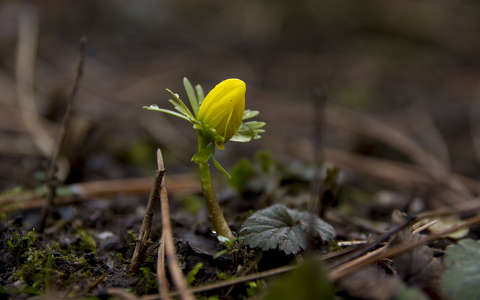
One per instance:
[(175, 271)]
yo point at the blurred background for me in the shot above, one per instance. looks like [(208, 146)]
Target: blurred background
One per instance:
[(409, 65)]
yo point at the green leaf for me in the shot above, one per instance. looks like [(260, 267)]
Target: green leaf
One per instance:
[(200, 94), (255, 124), (220, 168), (308, 282), (181, 109), (461, 278), (249, 131), (191, 275), (248, 114), (192, 97), (241, 138), (155, 107), (220, 253), (279, 227), (204, 154), (187, 112)]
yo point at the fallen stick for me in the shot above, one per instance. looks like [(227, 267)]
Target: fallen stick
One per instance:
[(81, 192)]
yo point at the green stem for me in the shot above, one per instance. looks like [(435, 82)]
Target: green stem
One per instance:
[(214, 209)]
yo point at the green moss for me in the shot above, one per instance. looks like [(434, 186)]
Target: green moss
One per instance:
[(41, 267), (37, 269), (148, 281), (131, 238), (87, 242), (193, 272)]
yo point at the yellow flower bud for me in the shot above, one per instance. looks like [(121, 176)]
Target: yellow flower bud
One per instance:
[(223, 107)]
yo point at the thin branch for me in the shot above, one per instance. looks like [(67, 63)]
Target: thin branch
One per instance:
[(51, 174), (468, 207), (25, 80), (250, 277), (144, 234), (225, 283), (161, 275), (400, 141), (386, 236), (175, 271), (341, 271), (88, 191), (396, 173)]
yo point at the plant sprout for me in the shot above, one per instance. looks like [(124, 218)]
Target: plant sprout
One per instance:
[(218, 118)]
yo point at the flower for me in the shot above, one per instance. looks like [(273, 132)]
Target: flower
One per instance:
[(223, 107)]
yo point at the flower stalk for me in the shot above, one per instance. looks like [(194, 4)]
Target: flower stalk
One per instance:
[(214, 210)]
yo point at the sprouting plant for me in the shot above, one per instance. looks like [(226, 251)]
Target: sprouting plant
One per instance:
[(218, 118)]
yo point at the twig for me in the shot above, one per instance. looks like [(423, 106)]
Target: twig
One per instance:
[(397, 173), (51, 176), (161, 275), (25, 80), (387, 171), (424, 226), (400, 141), (177, 275), (250, 277), (351, 243), (377, 242), (97, 282), (468, 207), (341, 272), (144, 234), (88, 191), (225, 283)]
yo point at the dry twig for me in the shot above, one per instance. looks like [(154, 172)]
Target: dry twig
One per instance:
[(250, 277), (342, 271), (25, 80), (144, 235), (161, 275), (175, 271), (400, 141), (369, 247), (52, 180), (89, 191)]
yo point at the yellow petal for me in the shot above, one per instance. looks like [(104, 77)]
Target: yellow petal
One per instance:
[(223, 107)]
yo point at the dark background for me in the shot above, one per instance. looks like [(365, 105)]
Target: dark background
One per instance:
[(410, 64)]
